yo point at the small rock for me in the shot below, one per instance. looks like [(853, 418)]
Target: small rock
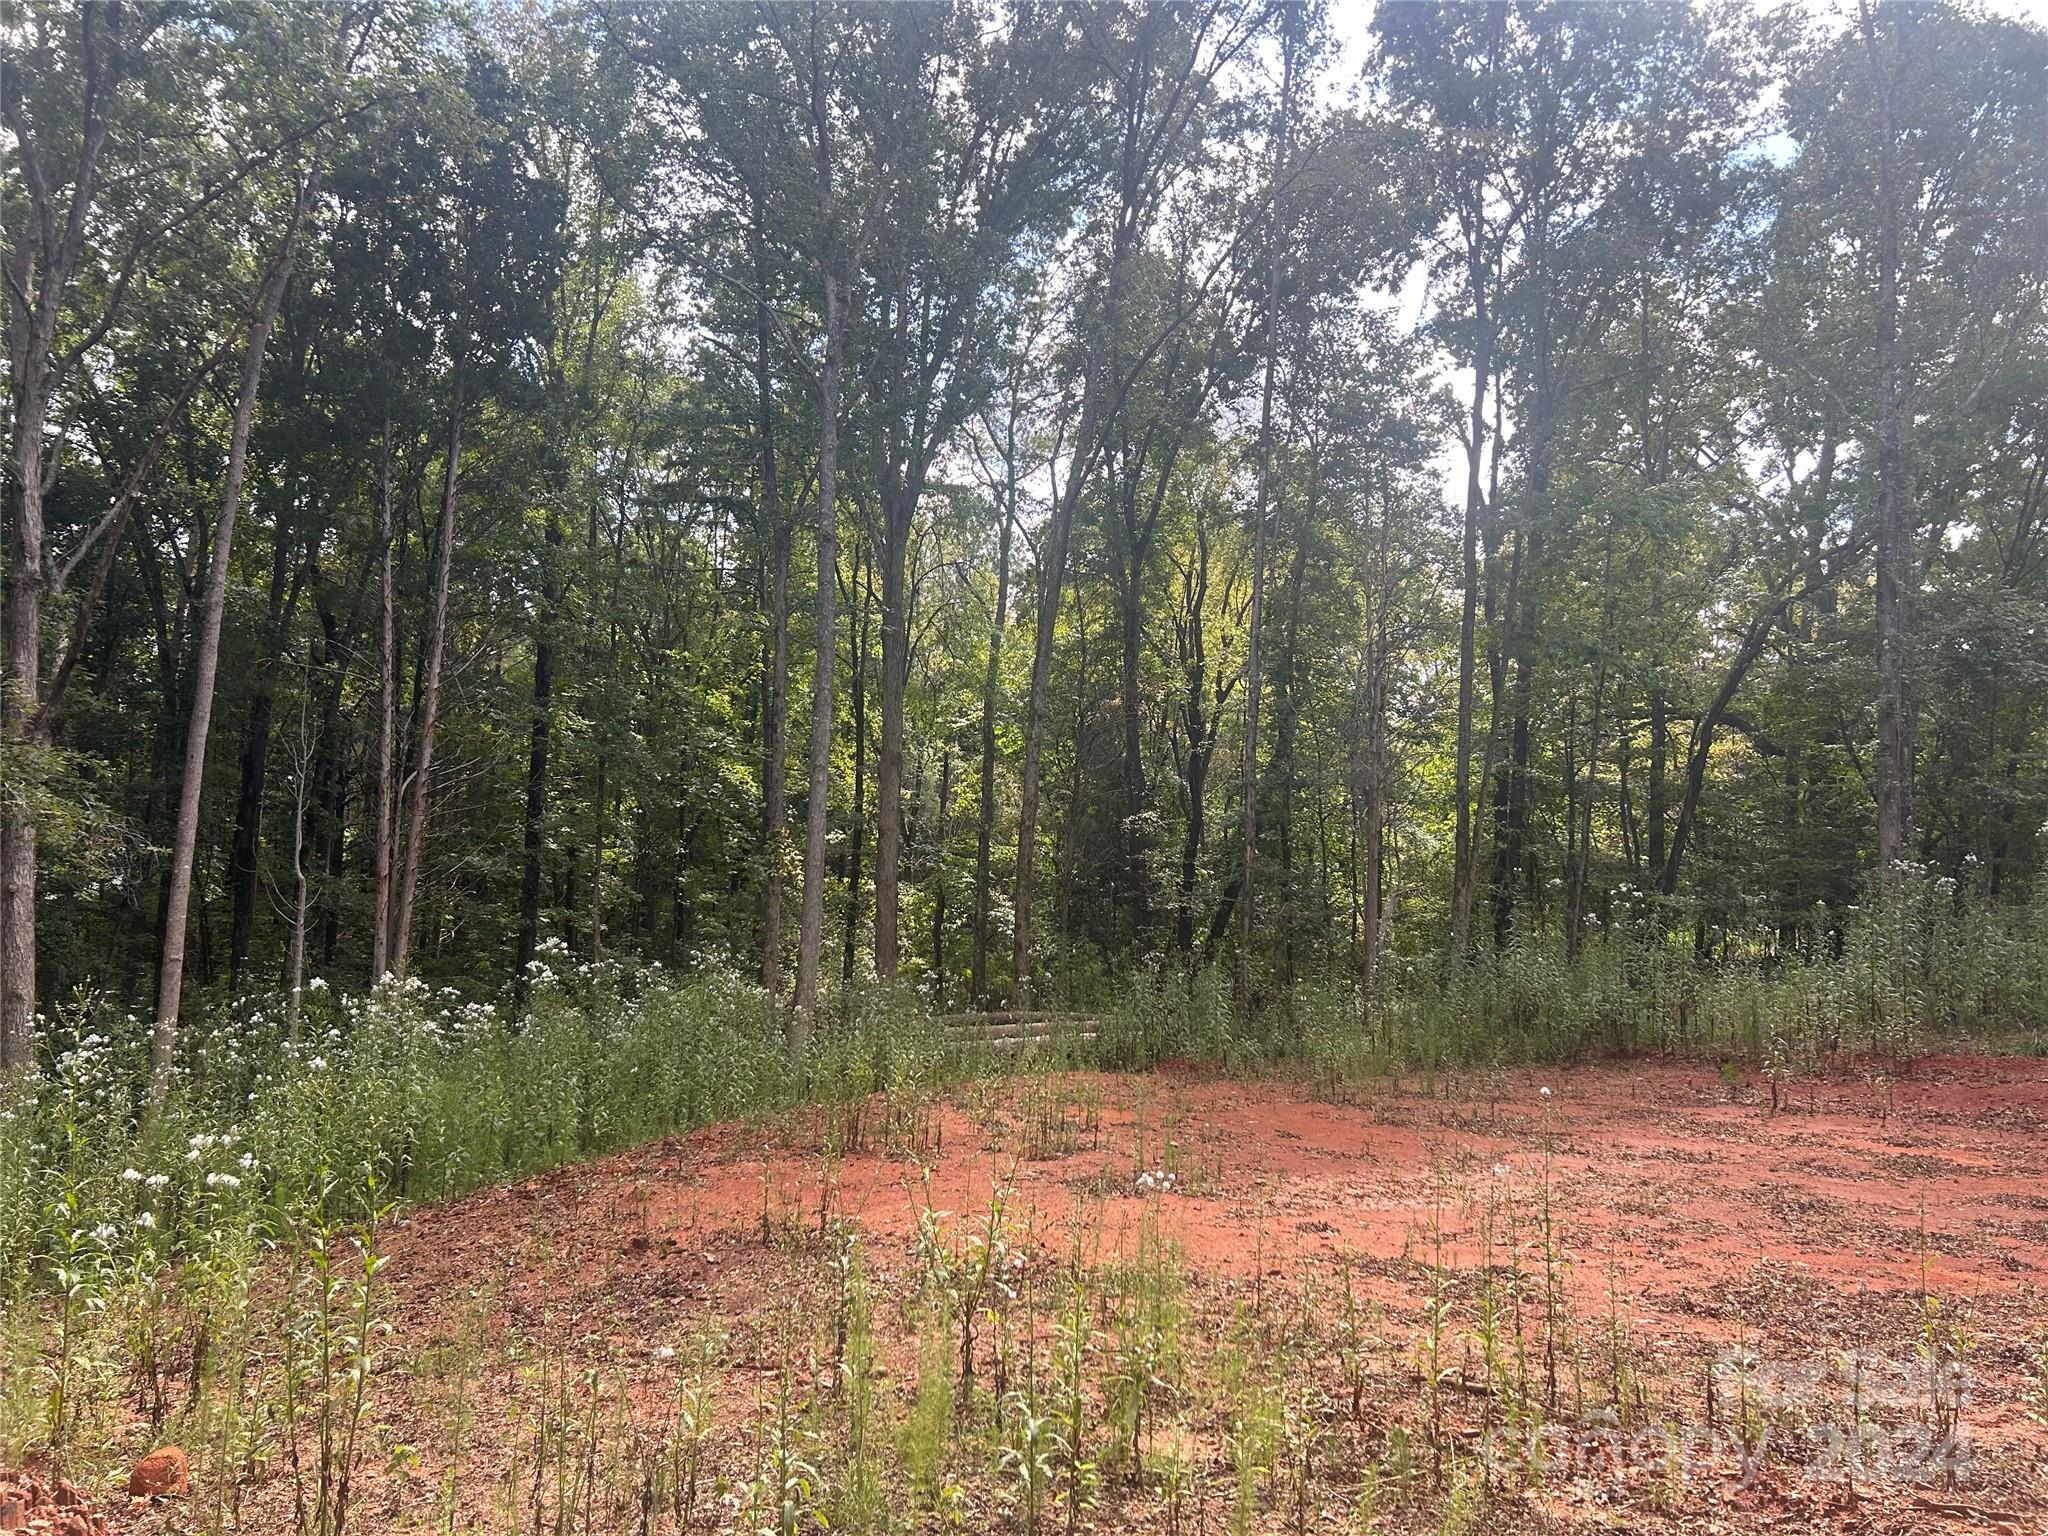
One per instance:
[(163, 1471)]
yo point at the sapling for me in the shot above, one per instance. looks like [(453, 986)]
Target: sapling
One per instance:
[(925, 1437), (1301, 1434), (1073, 1340), (695, 1412), (1365, 1505), (1354, 1337), (330, 1348), (1436, 1371), (861, 1501), (80, 1274)]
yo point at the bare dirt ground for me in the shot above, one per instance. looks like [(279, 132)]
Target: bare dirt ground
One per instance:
[(1757, 1289)]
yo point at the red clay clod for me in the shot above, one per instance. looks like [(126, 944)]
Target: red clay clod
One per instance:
[(38, 1508), (162, 1472)]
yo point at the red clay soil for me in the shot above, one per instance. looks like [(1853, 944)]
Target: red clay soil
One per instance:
[(39, 1506), (1693, 1218)]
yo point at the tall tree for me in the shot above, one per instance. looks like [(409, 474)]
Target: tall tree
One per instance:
[(206, 662), (1168, 70)]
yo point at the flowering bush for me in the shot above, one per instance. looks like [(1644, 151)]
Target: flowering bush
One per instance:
[(420, 1093)]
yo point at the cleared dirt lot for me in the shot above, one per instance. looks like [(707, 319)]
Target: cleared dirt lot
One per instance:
[(1487, 1299)]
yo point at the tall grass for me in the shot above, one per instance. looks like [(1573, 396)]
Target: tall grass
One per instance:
[(1894, 976), (418, 1095), (422, 1095)]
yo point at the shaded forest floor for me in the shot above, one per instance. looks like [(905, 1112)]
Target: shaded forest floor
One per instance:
[(1263, 1311)]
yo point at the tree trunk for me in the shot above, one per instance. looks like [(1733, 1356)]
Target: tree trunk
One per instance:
[(1894, 760), (1701, 745), (811, 936), (898, 505), (938, 882), (1052, 566), (1070, 843), (430, 699), (206, 663), (600, 814), (303, 766), (40, 261), (20, 688), (775, 721), (991, 682), (1130, 624), (245, 849), (1200, 723), (1191, 848), (856, 832), (1465, 856), (1374, 836), (539, 734), (385, 807), (1654, 808), (1254, 678), (1286, 723), (329, 798)]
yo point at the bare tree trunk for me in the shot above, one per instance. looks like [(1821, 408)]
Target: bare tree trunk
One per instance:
[(430, 695), (1658, 792), (1130, 625), (938, 881), (1701, 746), (775, 725), (1052, 566), (539, 741), (1466, 855), (856, 832), (601, 810), (1286, 730), (295, 951), (328, 834), (898, 503), (1203, 703), (991, 682), (41, 257), (245, 848), (811, 935), (1894, 760), (206, 663), (386, 802), (19, 690), (836, 302), (1070, 842), (1375, 833), (1377, 670), (1582, 843), (1254, 678)]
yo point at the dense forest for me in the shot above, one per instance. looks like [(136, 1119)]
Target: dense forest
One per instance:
[(1006, 495)]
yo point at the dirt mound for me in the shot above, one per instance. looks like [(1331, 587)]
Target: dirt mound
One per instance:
[(164, 1471)]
